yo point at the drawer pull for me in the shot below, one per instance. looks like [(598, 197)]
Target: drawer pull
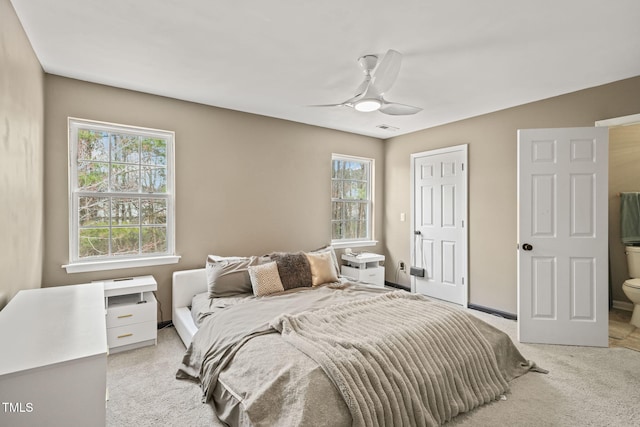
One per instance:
[(124, 336), (125, 315)]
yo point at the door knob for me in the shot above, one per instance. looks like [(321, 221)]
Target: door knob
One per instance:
[(527, 247), (417, 232)]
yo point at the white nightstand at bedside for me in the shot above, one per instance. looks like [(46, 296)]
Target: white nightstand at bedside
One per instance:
[(132, 312), (364, 267)]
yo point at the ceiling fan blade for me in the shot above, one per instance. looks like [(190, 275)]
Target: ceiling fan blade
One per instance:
[(327, 105), (395, 109), (348, 103), (385, 75), (362, 89)]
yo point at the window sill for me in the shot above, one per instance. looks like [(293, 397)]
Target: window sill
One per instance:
[(83, 267), (353, 243)]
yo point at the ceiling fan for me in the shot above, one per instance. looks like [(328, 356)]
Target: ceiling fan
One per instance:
[(377, 81)]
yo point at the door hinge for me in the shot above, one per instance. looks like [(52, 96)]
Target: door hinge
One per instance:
[(463, 280), (462, 164), (463, 223)]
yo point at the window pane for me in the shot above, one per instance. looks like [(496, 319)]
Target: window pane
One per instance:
[(154, 151), (354, 210), (336, 230), (355, 170), (352, 191), (92, 145), (338, 210), (361, 189), (93, 211), (125, 211), (336, 189), (125, 178), (125, 240), (154, 240), (336, 172), (355, 230), (93, 242), (154, 179), (125, 148), (154, 211), (93, 176)]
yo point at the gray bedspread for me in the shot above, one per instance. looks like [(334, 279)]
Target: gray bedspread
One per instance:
[(256, 377)]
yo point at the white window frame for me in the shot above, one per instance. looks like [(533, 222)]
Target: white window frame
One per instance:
[(369, 240), (111, 262)]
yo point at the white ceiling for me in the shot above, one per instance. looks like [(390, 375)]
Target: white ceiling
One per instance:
[(277, 57)]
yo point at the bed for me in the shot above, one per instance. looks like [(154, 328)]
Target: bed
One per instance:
[(338, 353)]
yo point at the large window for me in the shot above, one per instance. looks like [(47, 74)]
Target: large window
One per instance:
[(351, 199), (121, 196)]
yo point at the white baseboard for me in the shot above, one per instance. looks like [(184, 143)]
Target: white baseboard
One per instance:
[(623, 305)]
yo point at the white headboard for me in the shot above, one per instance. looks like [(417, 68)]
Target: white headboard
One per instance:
[(186, 284)]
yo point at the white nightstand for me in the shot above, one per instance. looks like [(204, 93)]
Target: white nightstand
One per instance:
[(364, 267), (132, 312)]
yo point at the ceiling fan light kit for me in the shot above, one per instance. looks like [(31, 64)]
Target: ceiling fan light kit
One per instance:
[(379, 77), (367, 105)]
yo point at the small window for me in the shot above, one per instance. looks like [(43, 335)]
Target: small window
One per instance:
[(351, 199), (121, 194)]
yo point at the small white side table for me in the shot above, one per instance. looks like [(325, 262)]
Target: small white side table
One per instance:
[(132, 312), (365, 267)]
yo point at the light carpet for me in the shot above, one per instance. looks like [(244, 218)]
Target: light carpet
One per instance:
[(585, 387)]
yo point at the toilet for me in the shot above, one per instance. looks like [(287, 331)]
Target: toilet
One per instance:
[(631, 287)]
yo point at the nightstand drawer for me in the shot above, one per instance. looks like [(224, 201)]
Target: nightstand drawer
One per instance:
[(125, 310), (374, 276), (130, 334)]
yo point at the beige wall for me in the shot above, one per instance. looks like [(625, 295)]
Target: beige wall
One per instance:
[(245, 184), (249, 184), (492, 181), (624, 175), (21, 149)]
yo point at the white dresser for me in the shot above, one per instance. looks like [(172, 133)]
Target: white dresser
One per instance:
[(365, 267), (132, 312), (53, 357)]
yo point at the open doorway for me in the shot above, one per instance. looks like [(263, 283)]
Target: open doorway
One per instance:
[(624, 177)]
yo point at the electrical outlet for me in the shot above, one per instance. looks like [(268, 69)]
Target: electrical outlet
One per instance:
[(402, 266)]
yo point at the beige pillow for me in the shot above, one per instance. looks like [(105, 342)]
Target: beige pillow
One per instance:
[(330, 250), (322, 268), (265, 279)]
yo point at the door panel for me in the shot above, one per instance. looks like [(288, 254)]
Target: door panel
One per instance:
[(439, 203), (562, 217)]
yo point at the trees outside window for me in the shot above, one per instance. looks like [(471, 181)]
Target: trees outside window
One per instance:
[(121, 188), (351, 198)]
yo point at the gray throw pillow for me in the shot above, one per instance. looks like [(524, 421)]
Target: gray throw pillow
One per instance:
[(293, 268), (228, 276)]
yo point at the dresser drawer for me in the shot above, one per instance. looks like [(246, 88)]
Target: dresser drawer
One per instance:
[(129, 334), (127, 311)]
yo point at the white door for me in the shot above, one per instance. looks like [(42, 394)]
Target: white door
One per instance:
[(563, 236), (439, 196)]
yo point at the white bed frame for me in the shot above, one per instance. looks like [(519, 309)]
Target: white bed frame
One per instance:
[(186, 284)]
